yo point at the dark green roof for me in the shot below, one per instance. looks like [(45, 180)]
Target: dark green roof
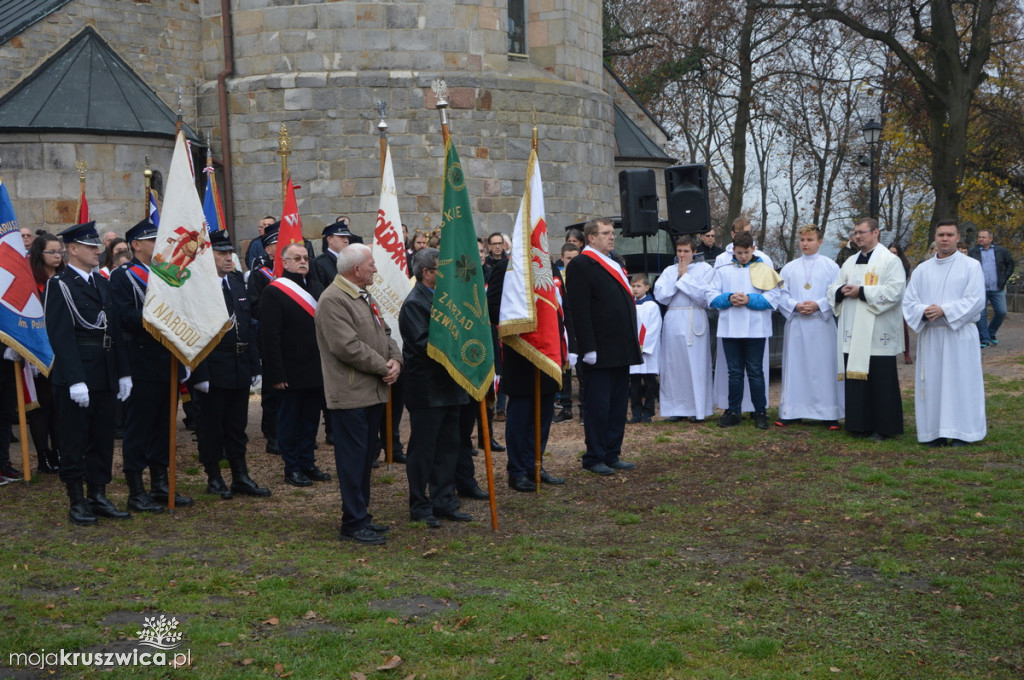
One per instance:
[(631, 142), (17, 15), (86, 87)]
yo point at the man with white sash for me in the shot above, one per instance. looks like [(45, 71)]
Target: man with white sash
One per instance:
[(945, 298), (866, 297), (291, 363), (809, 386)]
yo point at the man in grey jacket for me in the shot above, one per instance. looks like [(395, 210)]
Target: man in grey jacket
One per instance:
[(359, 361), (997, 266)]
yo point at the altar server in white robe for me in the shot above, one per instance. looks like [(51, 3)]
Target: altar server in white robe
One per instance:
[(685, 341), (944, 299), (721, 391), (643, 378), (809, 386), (866, 297)]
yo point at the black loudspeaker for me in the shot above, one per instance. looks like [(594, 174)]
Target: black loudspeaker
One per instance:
[(638, 196), (689, 209)]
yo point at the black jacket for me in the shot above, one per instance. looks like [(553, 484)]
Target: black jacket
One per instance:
[(1004, 264), (325, 268), (427, 383), (603, 314), (260, 276), (148, 359), (288, 337), (235, 360), (79, 354)]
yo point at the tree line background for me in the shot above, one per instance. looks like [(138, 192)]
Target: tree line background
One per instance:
[(773, 95)]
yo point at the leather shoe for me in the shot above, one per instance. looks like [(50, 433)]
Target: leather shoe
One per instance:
[(936, 443), (957, 442), (621, 465), (297, 479), (729, 419), (761, 421), (454, 516), (216, 487), (495, 446), (378, 528), (548, 478), (600, 469), (524, 484), (244, 485), (476, 493), (272, 447), (876, 437), (562, 416), (398, 457), (366, 536), (429, 520), (317, 475)]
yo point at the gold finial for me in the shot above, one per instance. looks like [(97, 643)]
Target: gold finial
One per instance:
[(147, 173), (534, 128), (82, 167), (426, 224), (284, 142)]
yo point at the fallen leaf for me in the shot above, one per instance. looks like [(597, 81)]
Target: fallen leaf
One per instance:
[(437, 627), (430, 553), (392, 619), (273, 621), (543, 638), (100, 569), (278, 667), (410, 677), (357, 676), (834, 669), (285, 675), (223, 644), (246, 662), (390, 663), (50, 606), (463, 621), (309, 615)]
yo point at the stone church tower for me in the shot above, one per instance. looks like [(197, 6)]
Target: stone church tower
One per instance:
[(247, 66)]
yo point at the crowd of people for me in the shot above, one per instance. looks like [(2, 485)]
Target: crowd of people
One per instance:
[(314, 341)]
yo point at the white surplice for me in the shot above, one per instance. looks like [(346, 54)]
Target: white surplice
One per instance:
[(685, 343), (809, 386), (648, 324), (949, 389)]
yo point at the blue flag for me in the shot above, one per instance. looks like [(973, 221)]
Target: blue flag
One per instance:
[(154, 210), (22, 325), (211, 203)]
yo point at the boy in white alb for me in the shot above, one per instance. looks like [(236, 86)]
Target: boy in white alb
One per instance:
[(809, 386), (643, 378), (745, 292)]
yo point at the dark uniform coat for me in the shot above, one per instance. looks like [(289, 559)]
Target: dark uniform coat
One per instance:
[(603, 314), (325, 268), (235, 361), (288, 338)]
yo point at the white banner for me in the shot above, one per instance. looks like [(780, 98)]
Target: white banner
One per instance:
[(185, 308), (391, 284)]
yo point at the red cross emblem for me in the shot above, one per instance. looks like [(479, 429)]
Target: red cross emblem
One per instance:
[(23, 287)]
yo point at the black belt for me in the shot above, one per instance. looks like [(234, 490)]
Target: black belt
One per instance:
[(105, 342), (233, 347)]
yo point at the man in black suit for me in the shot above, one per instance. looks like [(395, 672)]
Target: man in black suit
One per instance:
[(291, 363), (260, 276), (223, 381), (336, 238), (146, 425), (89, 369), (604, 323)]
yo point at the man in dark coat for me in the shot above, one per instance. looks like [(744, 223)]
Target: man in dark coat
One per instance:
[(291, 363), (261, 275), (336, 238), (89, 369), (604, 323), (433, 399), (223, 380), (146, 424)]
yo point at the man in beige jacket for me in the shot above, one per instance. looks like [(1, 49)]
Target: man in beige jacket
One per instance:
[(359, 361)]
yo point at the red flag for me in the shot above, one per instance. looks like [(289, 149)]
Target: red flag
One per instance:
[(291, 227), (83, 209)]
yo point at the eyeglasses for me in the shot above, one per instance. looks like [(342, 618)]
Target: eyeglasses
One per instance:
[(858, 232), (300, 258), (62, 253), (497, 243)]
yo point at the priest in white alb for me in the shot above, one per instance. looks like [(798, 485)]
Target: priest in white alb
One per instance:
[(944, 299), (866, 297), (809, 386)]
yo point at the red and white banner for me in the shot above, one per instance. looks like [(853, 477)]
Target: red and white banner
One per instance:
[(391, 284), (291, 227)]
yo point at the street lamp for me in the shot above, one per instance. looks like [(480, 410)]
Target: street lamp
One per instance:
[(872, 131)]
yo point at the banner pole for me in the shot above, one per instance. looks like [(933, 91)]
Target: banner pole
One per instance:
[(537, 453), (148, 174), (19, 384), (172, 456), (485, 430), (389, 440)]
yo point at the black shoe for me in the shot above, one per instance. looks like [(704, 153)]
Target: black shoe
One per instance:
[(562, 416), (499, 415), (761, 421), (398, 457), (524, 484), (376, 463), (958, 443), (633, 421), (101, 505), (317, 475), (297, 479), (272, 447), (161, 488), (476, 493), (548, 478), (138, 499), (429, 520), (378, 528), (454, 516), (244, 485), (215, 486), (79, 513), (936, 443), (876, 437), (48, 464), (621, 465), (673, 419), (329, 438), (495, 446), (366, 536), (600, 469), (729, 419)]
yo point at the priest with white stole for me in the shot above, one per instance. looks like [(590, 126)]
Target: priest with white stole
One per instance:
[(809, 386), (944, 299), (866, 297)]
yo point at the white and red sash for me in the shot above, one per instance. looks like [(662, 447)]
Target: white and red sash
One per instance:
[(611, 266), (297, 294)]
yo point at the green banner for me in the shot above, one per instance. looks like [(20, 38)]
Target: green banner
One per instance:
[(460, 328)]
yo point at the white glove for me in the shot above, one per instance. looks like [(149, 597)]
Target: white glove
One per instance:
[(188, 374), (257, 380), (11, 355), (573, 358), (80, 394), (590, 358), (203, 387), (124, 388)]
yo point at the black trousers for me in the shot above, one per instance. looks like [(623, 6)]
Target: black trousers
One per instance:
[(220, 430), (643, 394), (519, 433), (8, 408), (605, 423), (147, 426), (298, 419), (432, 456), (465, 472), (270, 402), (356, 444), (875, 404), (87, 436), (43, 421)]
